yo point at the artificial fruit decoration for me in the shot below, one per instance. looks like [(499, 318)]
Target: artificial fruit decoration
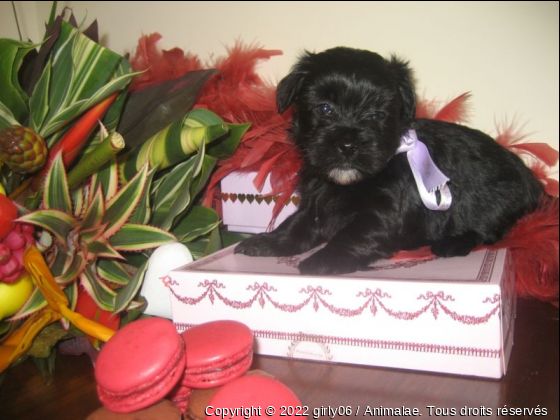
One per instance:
[(8, 213), (14, 295), (23, 150), (14, 238)]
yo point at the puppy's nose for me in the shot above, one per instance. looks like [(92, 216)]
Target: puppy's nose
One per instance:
[(347, 148)]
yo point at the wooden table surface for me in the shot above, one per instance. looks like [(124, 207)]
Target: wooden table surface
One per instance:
[(531, 381)]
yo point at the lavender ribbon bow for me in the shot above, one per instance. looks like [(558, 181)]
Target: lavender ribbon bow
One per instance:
[(429, 179)]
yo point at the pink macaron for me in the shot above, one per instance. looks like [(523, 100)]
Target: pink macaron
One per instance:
[(139, 365), (217, 352), (250, 396)]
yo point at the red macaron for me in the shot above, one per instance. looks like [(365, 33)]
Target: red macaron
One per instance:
[(250, 396), (217, 352), (139, 365)]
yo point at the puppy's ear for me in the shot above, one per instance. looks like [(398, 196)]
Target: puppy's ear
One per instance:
[(288, 89), (289, 86), (406, 88)]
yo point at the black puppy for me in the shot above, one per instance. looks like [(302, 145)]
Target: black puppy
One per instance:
[(352, 109)]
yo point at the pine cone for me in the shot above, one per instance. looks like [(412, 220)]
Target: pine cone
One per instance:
[(22, 149), (12, 248)]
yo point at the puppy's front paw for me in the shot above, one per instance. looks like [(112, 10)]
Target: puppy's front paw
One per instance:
[(263, 245), (329, 261)]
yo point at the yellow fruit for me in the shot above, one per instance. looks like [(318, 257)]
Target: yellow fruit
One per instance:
[(14, 295)]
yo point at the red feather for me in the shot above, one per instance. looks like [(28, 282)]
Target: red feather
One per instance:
[(160, 65), (458, 110), (533, 242)]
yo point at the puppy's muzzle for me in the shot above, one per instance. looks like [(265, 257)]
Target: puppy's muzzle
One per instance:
[(347, 148)]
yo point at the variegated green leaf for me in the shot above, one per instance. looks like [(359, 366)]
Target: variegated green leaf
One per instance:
[(224, 148), (198, 222), (66, 115), (34, 304), (92, 234), (56, 194), (183, 200), (123, 204), (73, 271), (101, 248), (39, 102), (94, 212), (102, 295), (143, 212), (78, 199), (200, 181), (172, 145), (60, 260), (127, 293), (55, 221), (201, 117), (113, 272), (168, 190), (83, 74), (71, 292), (132, 237), (107, 178)]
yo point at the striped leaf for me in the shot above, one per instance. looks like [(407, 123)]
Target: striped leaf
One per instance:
[(55, 221), (175, 183), (123, 204), (71, 292), (107, 178), (198, 222), (73, 270), (78, 201), (174, 144), (94, 212), (184, 198), (68, 114), (143, 212), (127, 293), (199, 182), (113, 272), (56, 194), (34, 304), (83, 73), (201, 117), (102, 294), (226, 147), (39, 102), (132, 237), (93, 233), (59, 261), (102, 248)]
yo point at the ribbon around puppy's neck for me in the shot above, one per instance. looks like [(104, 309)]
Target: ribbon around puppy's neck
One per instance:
[(429, 179)]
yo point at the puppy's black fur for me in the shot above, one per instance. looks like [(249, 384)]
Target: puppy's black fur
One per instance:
[(351, 109)]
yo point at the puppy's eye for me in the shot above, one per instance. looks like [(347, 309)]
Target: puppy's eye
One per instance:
[(379, 115), (324, 109)]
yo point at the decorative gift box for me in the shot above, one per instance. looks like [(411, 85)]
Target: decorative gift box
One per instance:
[(247, 210), (450, 315)]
